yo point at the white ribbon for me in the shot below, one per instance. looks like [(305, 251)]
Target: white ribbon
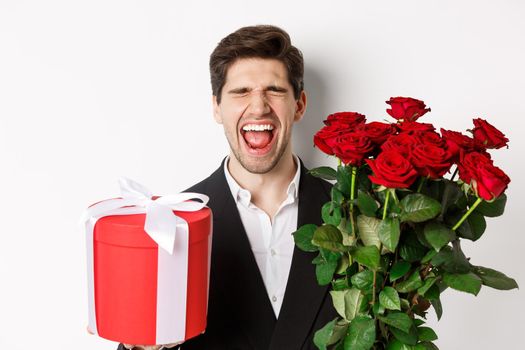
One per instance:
[(170, 232), (161, 223)]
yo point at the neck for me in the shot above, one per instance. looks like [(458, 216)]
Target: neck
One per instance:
[(272, 184)]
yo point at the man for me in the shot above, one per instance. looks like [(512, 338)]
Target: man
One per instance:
[(263, 292)]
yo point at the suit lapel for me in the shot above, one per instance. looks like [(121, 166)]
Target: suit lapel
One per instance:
[(303, 296), (241, 283)]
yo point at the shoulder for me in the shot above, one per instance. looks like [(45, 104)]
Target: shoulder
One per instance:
[(314, 185)]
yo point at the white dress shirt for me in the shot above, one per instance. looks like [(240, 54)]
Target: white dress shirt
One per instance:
[(271, 240)]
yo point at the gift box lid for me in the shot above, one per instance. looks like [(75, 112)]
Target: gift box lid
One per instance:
[(128, 230)]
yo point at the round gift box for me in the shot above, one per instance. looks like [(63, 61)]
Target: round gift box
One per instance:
[(125, 277)]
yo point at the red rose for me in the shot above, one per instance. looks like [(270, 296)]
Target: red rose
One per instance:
[(392, 169), (345, 120), (325, 138), (432, 160), (413, 127), (487, 180), (487, 135), (377, 132), (463, 141), (401, 143), (352, 148), (430, 138), (406, 108)]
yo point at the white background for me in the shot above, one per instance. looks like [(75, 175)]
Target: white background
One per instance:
[(93, 90)]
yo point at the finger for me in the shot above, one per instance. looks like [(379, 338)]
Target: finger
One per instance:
[(89, 330)]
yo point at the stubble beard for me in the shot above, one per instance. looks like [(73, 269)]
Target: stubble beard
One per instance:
[(264, 165)]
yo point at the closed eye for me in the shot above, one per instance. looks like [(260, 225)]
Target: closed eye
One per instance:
[(276, 90), (239, 92)]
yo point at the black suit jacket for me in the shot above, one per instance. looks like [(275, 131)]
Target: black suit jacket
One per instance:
[(240, 316)]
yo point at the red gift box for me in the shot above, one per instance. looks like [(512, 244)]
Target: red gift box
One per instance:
[(139, 293)]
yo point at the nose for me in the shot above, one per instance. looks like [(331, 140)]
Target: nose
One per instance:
[(258, 104)]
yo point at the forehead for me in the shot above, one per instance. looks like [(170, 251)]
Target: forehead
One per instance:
[(256, 71)]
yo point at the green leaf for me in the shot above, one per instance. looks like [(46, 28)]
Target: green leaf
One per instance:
[(323, 335), (340, 330), (397, 345), (324, 172), (431, 253), (325, 272), (409, 338), (429, 282), (409, 248), (399, 320), (451, 260), (303, 238), (426, 334), (347, 302), (325, 266), (389, 232), (477, 224), (338, 300), (436, 303), (464, 230), (417, 207), (418, 322), (340, 284), (368, 227), (331, 213), (362, 180), (451, 193), (367, 204), (438, 235), (378, 309), (412, 283), (493, 209), (352, 301), (426, 346), (389, 298), (494, 279), (361, 334), (399, 269), (342, 265), (337, 196), (433, 292), (363, 280), (328, 237), (368, 256), (465, 282), (344, 179)]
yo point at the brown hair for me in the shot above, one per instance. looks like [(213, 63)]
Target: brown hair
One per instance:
[(264, 41)]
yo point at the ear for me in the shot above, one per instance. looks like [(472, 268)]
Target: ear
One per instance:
[(300, 107), (216, 110)]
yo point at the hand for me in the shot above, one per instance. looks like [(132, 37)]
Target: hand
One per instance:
[(150, 347), (143, 347)]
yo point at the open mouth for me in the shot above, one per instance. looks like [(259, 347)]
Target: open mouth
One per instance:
[(258, 137)]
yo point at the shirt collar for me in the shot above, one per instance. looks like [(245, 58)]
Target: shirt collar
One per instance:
[(244, 196)]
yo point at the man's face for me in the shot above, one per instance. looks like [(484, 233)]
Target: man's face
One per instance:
[(257, 111)]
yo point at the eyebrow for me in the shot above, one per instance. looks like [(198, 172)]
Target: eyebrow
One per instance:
[(242, 90)]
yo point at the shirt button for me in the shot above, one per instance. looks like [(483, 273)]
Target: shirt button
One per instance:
[(274, 298), (273, 252)]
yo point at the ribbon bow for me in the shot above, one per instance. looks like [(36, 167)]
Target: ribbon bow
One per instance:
[(161, 223)]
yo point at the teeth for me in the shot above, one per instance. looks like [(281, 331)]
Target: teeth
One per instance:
[(257, 127)]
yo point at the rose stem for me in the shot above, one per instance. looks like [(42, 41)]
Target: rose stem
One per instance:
[(465, 216), (352, 187), (386, 203), (380, 247), (421, 182), (352, 190)]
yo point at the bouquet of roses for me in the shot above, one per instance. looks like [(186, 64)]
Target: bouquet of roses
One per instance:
[(391, 239)]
